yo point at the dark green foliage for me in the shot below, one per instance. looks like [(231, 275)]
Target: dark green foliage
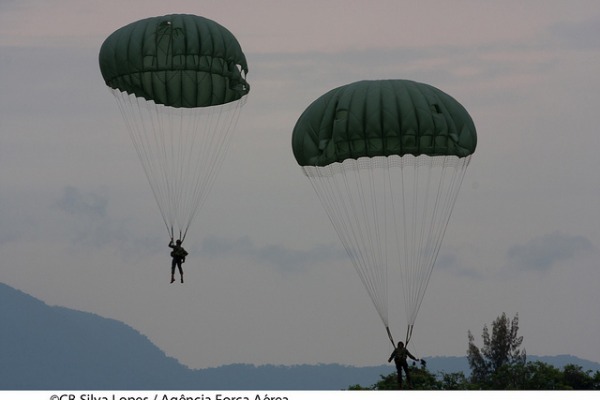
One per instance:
[(499, 365), (575, 378), (422, 379), (541, 376), (492, 366), (528, 376), (454, 381)]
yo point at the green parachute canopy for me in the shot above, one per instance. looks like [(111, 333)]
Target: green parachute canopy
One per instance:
[(180, 83), (382, 118), (177, 60), (387, 159)]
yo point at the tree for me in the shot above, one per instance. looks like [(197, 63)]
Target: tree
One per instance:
[(492, 366), (454, 381), (499, 365), (577, 379), (422, 379), (541, 376), (519, 376)]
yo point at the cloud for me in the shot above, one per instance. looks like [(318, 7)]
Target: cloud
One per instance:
[(74, 202), (88, 223), (91, 225), (543, 252), (277, 255), (452, 263)]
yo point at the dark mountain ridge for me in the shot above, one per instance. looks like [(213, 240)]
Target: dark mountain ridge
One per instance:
[(49, 347)]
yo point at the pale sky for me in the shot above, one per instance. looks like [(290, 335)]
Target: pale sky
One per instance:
[(268, 281)]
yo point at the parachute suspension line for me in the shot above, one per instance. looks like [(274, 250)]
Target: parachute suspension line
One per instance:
[(374, 269), (229, 125), (136, 122), (391, 214), (435, 186), (409, 331), (330, 182), (440, 217), (392, 164), (221, 122), (412, 238), (389, 333), (406, 233), (372, 207), (382, 177), (447, 193), (346, 192), (423, 225), (168, 128), (181, 151)]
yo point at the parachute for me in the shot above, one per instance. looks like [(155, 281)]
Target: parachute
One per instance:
[(180, 83), (386, 159)]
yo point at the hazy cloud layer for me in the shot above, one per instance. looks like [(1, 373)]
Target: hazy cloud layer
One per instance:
[(283, 258), (544, 252), (73, 201)]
